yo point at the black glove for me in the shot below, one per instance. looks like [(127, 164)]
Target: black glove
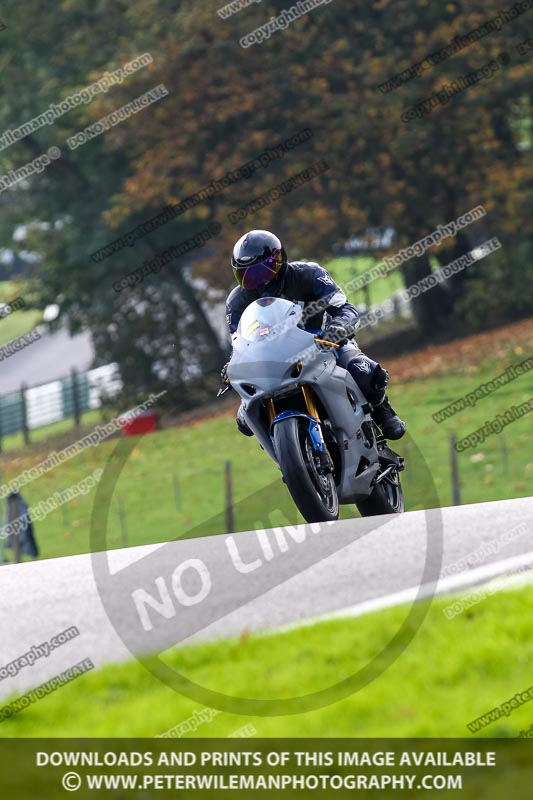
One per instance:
[(225, 381), (339, 332), (224, 374)]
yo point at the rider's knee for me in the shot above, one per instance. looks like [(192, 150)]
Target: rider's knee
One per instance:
[(370, 376), (380, 378)]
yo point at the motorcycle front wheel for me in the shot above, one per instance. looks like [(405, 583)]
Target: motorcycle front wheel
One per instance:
[(313, 491)]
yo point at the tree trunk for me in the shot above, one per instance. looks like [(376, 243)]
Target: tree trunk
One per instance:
[(431, 309)]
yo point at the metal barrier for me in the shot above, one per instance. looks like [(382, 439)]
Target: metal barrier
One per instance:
[(33, 407)]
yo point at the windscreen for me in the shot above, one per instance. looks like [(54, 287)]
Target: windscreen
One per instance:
[(268, 317)]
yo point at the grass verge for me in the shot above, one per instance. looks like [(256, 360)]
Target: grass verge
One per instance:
[(453, 672)]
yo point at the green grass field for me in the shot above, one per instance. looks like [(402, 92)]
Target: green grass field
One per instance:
[(345, 269), (48, 433), (453, 672), (172, 483)]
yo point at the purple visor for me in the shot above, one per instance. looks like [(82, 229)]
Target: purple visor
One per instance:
[(256, 275)]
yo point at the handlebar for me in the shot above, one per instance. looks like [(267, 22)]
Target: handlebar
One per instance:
[(325, 341)]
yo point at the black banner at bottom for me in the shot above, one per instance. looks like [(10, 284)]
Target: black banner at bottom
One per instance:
[(221, 768)]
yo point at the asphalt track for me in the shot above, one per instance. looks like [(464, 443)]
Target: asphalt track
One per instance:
[(221, 586), (48, 359)]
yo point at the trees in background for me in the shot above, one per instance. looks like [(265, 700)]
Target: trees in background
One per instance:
[(225, 106)]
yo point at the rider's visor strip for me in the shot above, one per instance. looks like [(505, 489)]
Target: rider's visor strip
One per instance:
[(259, 274)]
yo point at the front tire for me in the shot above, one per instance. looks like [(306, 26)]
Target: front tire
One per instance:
[(313, 492)]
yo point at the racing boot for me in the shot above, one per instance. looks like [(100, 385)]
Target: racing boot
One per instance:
[(388, 420)]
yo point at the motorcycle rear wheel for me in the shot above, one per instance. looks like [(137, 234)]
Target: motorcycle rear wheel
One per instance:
[(386, 498)]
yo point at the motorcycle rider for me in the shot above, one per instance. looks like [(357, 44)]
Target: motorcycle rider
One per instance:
[(261, 269)]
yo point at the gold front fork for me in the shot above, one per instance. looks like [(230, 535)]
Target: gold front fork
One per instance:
[(271, 410), (310, 403)]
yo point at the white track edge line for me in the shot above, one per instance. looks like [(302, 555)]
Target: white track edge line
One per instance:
[(448, 585)]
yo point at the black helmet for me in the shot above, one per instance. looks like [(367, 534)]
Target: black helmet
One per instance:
[(257, 258)]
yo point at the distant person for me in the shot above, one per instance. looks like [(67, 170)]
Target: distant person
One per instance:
[(261, 269), (22, 536)]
